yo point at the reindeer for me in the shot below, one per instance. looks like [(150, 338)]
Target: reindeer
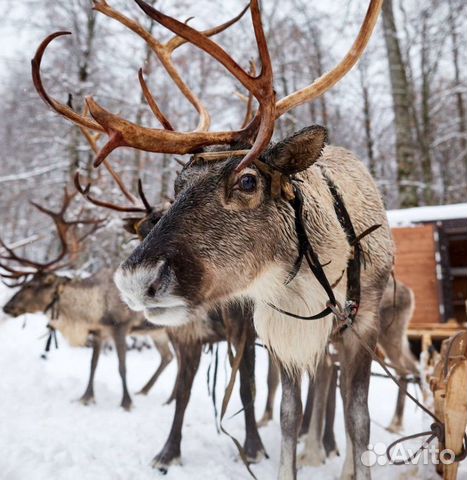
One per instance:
[(81, 307), (299, 227)]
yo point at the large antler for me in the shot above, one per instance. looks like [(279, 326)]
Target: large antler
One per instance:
[(125, 133), (121, 132)]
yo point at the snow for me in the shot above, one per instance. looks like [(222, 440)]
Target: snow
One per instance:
[(408, 216), (46, 434)]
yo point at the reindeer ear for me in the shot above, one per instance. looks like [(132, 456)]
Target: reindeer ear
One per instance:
[(297, 152)]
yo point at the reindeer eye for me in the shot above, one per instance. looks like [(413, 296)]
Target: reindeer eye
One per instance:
[(247, 183)]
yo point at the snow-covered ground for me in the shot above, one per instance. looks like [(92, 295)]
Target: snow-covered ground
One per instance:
[(46, 435)]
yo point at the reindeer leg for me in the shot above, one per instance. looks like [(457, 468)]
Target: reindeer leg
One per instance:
[(253, 446), (88, 395), (273, 383), (314, 453), (308, 412), (173, 395), (329, 439), (397, 419), (120, 345), (166, 357), (291, 414), (354, 382), (189, 357)]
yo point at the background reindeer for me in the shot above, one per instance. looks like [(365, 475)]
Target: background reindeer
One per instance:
[(80, 308)]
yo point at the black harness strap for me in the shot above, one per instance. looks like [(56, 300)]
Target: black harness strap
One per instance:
[(305, 250), (53, 307)]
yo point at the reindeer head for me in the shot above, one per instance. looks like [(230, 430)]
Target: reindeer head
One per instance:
[(35, 295), (38, 281), (231, 222)]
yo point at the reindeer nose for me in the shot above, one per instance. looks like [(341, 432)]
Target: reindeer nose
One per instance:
[(143, 284), (9, 310)]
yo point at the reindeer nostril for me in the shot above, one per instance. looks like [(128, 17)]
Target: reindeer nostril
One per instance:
[(151, 291), (160, 283)]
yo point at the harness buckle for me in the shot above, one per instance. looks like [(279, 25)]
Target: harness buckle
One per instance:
[(344, 316)]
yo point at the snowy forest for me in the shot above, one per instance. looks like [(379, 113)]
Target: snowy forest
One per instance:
[(402, 109)]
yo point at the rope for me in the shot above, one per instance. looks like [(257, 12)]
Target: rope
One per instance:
[(437, 428), (235, 361)]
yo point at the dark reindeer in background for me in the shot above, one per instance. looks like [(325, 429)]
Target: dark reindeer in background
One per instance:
[(80, 308), (290, 226)]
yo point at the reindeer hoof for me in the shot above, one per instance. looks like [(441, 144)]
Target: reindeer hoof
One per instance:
[(264, 421), (394, 427), (254, 450), (162, 462), (260, 455), (142, 392), (334, 453), (313, 458), (126, 404), (87, 400)]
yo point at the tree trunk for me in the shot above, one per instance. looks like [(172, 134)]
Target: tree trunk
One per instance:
[(458, 84), (405, 151), (426, 140), (367, 121)]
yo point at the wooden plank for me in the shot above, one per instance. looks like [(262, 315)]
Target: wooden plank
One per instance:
[(452, 325), (455, 414), (415, 265)]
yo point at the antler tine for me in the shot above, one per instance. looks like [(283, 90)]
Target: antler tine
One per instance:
[(92, 140), (329, 79), (249, 101), (12, 272), (85, 192), (178, 41), (152, 103), (12, 256), (24, 261), (20, 283), (261, 86), (96, 224), (59, 107), (142, 195), (60, 225)]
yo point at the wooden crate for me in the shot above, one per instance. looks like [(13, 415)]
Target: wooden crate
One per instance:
[(415, 265)]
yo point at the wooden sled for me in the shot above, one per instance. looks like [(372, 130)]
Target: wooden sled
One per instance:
[(449, 386)]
